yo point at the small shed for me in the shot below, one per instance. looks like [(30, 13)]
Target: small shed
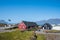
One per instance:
[(26, 25), (47, 26)]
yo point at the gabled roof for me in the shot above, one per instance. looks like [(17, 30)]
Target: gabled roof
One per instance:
[(48, 25), (29, 23)]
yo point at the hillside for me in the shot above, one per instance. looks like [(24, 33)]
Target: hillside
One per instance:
[(3, 21), (51, 21)]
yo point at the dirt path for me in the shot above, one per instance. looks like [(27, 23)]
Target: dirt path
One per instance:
[(50, 36)]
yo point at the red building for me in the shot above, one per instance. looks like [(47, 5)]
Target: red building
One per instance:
[(26, 25)]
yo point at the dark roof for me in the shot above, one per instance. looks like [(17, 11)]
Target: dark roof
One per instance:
[(47, 26), (29, 23)]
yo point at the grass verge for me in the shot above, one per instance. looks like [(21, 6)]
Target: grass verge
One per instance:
[(17, 35)]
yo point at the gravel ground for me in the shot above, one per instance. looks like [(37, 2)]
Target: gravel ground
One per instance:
[(52, 37)]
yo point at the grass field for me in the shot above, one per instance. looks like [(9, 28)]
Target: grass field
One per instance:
[(17, 35)]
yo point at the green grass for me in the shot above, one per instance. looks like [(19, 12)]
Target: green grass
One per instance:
[(17, 35)]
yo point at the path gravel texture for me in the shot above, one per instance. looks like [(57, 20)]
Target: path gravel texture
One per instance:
[(50, 36)]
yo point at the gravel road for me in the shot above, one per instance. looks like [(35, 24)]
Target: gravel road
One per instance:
[(50, 36)]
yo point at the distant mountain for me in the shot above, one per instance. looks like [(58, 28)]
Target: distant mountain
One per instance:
[(3, 21), (51, 21)]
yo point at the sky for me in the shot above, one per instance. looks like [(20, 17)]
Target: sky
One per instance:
[(29, 10)]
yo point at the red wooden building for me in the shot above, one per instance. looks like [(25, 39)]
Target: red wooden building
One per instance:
[(26, 25)]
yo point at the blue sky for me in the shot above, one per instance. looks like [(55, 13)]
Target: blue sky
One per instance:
[(29, 10)]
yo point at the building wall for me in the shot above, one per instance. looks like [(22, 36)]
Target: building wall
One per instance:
[(21, 26)]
